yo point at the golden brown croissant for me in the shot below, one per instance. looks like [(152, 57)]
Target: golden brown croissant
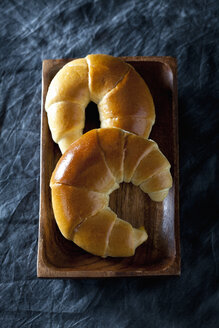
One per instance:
[(122, 97), (91, 168)]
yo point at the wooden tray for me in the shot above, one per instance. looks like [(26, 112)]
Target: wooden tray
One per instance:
[(160, 255)]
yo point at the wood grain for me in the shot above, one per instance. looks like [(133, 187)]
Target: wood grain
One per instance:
[(160, 255)]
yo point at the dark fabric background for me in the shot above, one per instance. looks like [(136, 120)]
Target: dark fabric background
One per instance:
[(31, 31)]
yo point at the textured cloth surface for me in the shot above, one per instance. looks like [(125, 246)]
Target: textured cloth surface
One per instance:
[(35, 30)]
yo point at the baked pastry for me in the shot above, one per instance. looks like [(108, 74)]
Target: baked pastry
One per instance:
[(122, 97), (86, 174)]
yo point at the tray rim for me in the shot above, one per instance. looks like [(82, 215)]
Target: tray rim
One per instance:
[(174, 268)]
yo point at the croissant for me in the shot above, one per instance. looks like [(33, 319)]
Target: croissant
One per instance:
[(87, 173), (122, 97)]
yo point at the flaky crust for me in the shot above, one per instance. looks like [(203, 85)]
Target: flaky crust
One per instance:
[(91, 168), (84, 166), (68, 216), (122, 97)]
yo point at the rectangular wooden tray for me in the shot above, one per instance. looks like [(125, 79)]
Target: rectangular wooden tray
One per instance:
[(160, 255)]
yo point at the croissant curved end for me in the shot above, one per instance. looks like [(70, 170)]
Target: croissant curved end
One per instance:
[(158, 196), (140, 236)]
